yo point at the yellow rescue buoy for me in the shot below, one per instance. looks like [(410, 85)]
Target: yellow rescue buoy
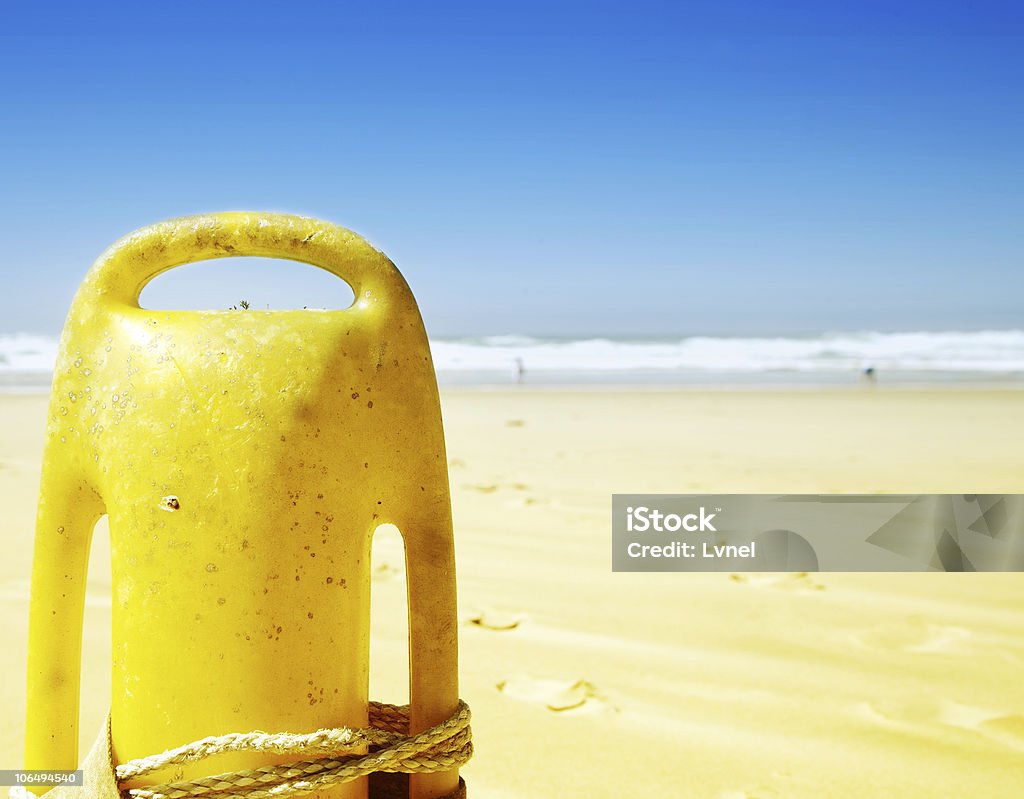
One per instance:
[(244, 459)]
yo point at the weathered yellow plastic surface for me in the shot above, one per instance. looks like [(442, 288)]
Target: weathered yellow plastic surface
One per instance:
[(245, 459)]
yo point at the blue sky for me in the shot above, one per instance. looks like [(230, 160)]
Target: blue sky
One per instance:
[(545, 168)]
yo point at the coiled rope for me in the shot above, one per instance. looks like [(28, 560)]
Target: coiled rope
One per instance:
[(336, 757)]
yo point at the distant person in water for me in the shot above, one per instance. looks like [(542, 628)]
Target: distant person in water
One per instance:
[(520, 371), (869, 376)]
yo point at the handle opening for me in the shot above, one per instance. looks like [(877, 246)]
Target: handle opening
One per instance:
[(389, 617), (246, 283)]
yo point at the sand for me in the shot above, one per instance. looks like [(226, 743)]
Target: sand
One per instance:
[(589, 683)]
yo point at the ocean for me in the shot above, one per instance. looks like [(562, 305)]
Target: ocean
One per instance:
[(990, 356)]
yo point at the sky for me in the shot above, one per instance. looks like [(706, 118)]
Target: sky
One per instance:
[(557, 168)]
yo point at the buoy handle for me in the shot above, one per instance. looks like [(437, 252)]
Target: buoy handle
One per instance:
[(122, 272)]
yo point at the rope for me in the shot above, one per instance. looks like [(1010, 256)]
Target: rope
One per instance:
[(337, 760)]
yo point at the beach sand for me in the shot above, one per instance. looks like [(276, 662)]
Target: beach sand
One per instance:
[(589, 683)]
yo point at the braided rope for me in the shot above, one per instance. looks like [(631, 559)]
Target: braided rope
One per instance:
[(444, 747)]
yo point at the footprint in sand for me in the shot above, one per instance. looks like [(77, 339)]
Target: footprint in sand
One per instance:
[(1006, 729), (490, 488), (556, 695), (521, 501), (923, 714), (495, 619), (914, 635), (744, 795), (801, 582), (483, 488), (382, 572)]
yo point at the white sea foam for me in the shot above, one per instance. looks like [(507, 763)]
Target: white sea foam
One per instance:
[(27, 353), (988, 353)]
